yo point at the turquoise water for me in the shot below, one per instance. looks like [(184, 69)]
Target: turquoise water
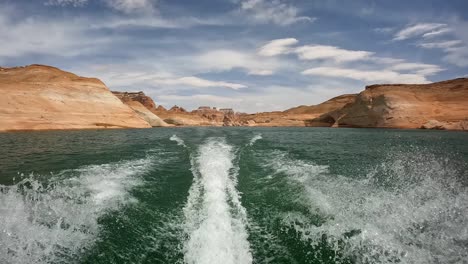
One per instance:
[(234, 195)]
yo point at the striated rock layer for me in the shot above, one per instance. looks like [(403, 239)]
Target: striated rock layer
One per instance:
[(143, 105), (38, 97), (441, 105)]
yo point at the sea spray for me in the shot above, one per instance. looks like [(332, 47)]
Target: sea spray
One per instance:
[(254, 139), (55, 222), (215, 218), (410, 209), (177, 139)]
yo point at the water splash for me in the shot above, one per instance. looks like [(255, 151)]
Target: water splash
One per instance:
[(410, 209), (56, 222), (177, 139), (215, 219), (254, 139)]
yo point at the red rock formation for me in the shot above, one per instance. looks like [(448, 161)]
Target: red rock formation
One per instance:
[(136, 96), (297, 116), (39, 97), (441, 105)]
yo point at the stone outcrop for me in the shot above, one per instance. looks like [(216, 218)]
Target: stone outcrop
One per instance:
[(143, 105), (137, 96), (441, 105), (39, 97), (297, 116), (203, 116)]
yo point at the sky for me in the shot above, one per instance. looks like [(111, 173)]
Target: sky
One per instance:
[(250, 55)]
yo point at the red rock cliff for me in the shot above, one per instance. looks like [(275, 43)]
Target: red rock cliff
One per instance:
[(440, 105), (39, 97)]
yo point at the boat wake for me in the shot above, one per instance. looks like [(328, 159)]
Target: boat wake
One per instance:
[(215, 221), (55, 222), (410, 209)]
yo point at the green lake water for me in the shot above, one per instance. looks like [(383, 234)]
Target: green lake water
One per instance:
[(234, 195)]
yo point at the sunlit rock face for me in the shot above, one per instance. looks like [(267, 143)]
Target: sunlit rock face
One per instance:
[(39, 97), (441, 105), (143, 105)]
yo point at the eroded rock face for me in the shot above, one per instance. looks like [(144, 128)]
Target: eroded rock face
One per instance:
[(203, 116), (143, 105), (136, 96), (146, 114), (39, 97), (441, 105)]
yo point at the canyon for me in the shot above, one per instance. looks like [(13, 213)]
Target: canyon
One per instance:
[(39, 97)]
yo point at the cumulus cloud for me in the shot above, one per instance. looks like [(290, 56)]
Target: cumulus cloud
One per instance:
[(277, 47), (275, 11), (383, 76), (418, 30)]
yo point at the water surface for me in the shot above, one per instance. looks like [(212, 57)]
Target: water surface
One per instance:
[(234, 195)]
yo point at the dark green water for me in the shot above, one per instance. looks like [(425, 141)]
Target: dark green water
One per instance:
[(234, 195)]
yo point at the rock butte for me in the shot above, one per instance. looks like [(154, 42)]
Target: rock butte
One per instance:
[(39, 97)]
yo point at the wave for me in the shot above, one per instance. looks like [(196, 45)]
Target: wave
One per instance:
[(214, 217), (177, 139), (55, 222), (254, 139), (409, 209)]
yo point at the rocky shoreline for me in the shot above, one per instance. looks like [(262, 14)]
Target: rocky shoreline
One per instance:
[(39, 97)]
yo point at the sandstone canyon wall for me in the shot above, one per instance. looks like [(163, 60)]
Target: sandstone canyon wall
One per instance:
[(38, 97), (440, 105)]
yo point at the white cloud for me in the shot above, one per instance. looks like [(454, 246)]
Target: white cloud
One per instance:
[(131, 6), (384, 30), (314, 52), (441, 45), (46, 36), (436, 33), (200, 99), (198, 82), (457, 56), (385, 76), (418, 68), (225, 60), (277, 47), (261, 72), (417, 30), (75, 3), (277, 12)]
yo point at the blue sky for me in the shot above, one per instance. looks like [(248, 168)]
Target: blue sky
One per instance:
[(252, 55)]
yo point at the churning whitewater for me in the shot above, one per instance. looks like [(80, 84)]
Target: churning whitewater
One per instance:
[(214, 217)]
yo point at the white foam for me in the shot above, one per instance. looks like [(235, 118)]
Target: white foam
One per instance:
[(254, 139), (411, 209), (215, 218), (57, 221), (177, 139)]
